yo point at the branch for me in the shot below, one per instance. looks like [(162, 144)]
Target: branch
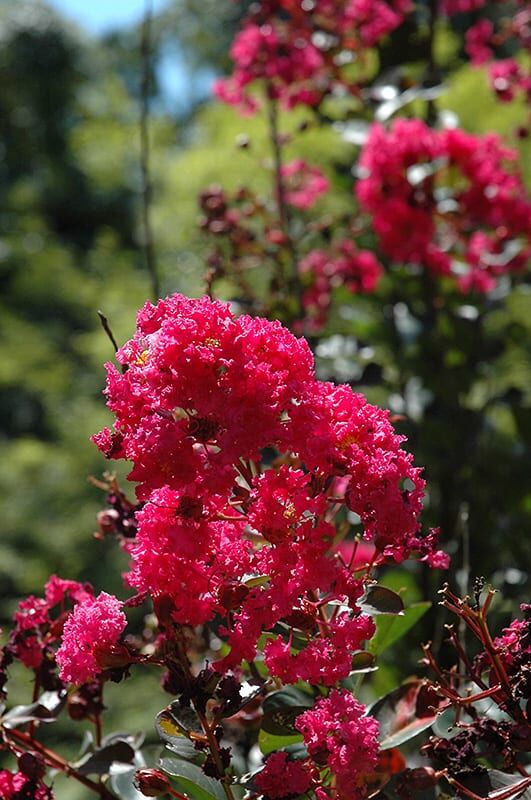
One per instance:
[(148, 244), (280, 196)]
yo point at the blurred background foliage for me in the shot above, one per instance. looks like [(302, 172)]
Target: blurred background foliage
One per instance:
[(70, 244)]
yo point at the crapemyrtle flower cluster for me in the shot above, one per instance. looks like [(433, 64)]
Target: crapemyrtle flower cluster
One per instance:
[(514, 649), (508, 77), (446, 200), (281, 778), (201, 396), (298, 51), (451, 7), (18, 786), (303, 184), (38, 626), (246, 470), (87, 627), (343, 265), (90, 635), (338, 734)]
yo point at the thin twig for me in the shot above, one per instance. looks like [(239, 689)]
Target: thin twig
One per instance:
[(464, 578), (107, 328), (431, 110), (280, 196), (148, 243)]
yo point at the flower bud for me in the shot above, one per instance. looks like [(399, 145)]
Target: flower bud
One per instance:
[(151, 782), (32, 766)]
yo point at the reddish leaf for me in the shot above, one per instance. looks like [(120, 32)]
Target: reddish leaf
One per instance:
[(405, 712)]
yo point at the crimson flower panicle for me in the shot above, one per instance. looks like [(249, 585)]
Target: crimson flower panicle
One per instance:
[(93, 627)]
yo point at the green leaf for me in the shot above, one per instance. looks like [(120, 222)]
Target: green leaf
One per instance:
[(281, 710), (389, 629), (191, 780), (363, 662), (258, 580), (281, 721), (269, 743), (286, 698), (381, 600)]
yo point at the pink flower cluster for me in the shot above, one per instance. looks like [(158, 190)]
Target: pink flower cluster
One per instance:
[(200, 397), (508, 78), (90, 631), (336, 730), (447, 200), (281, 778), (39, 620), (18, 786), (303, 184), (451, 7), (514, 646), (342, 266), (292, 47)]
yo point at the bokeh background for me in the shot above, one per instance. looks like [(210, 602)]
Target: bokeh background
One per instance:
[(71, 244)]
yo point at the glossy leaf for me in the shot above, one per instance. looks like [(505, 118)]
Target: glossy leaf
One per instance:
[(491, 783), (121, 776), (363, 662), (269, 743), (390, 629), (405, 712), (281, 710), (184, 748), (381, 600), (191, 781), (121, 782), (175, 722), (257, 580), (99, 762), (46, 709)]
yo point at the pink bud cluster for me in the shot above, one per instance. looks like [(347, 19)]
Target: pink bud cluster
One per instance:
[(447, 200), (202, 398), (294, 48), (359, 271)]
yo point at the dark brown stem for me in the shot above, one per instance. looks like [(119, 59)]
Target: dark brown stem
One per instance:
[(214, 749), (432, 67), (280, 197), (148, 243), (54, 760), (34, 698), (107, 328), (207, 729)]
